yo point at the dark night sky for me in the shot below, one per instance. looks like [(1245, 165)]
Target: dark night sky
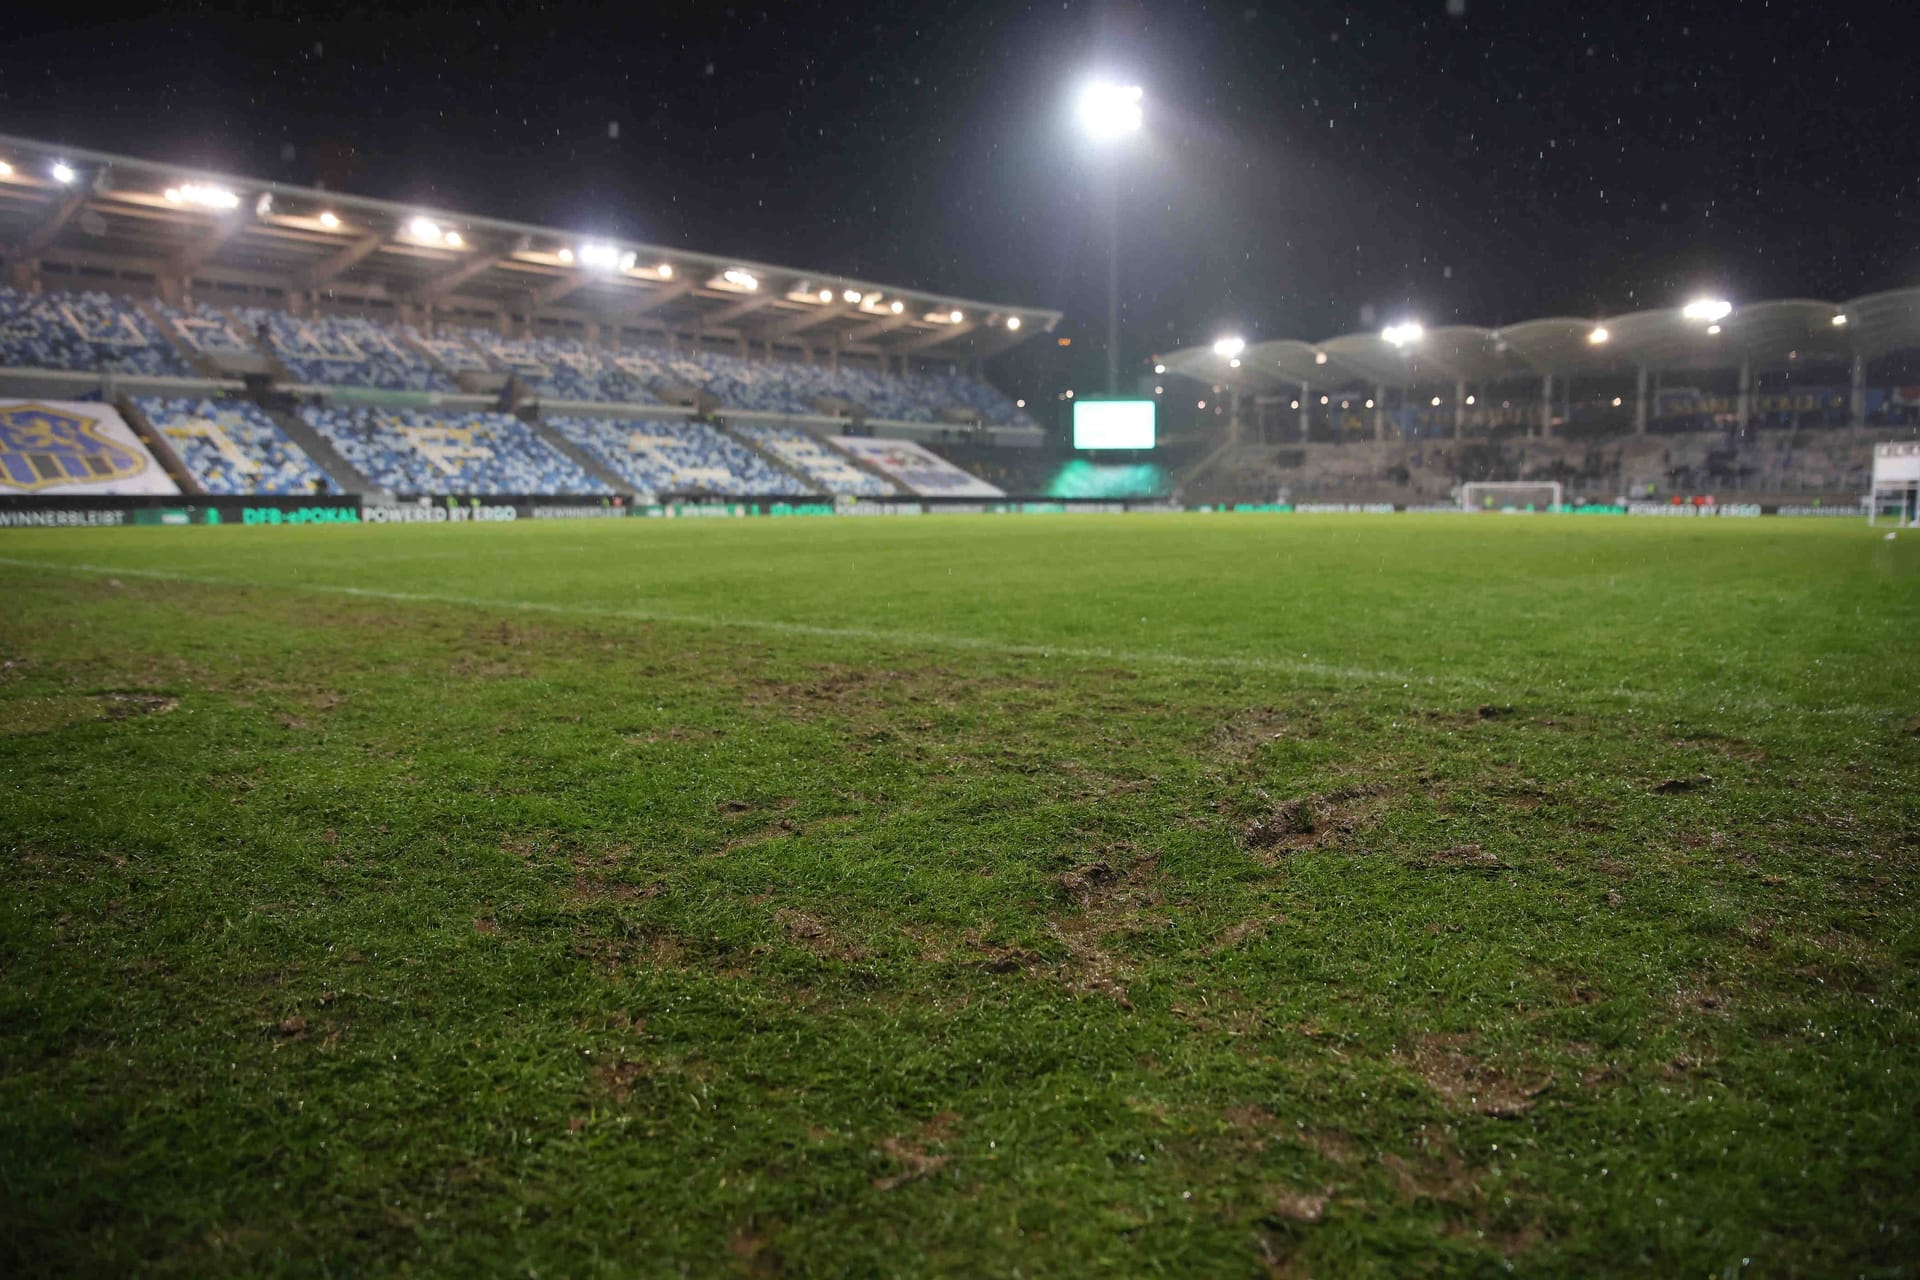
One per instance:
[(1300, 164)]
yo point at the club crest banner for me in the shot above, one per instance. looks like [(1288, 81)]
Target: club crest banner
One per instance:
[(67, 447)]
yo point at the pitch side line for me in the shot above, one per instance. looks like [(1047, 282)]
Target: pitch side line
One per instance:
[(930, 639), (877, 635)]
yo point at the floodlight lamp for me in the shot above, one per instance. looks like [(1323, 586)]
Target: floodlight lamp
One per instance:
[(1708, 309), (1159, 368), (1599, 336), (826, 295), (664, 271), (604, 257), (955, 315), (6, 170), (851, 295), (1233, 364), (1110, 110), (1229, 347), (1840, 321), (453, 240), (1404, 334), (1436, 402), (1013, 322), (897, 307), (1319, 357), (1469, 400), (330, 220), (423, 229), (63, 173), (1712, 329)]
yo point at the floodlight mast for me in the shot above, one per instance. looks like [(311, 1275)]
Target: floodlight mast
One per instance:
[(1109, 112)]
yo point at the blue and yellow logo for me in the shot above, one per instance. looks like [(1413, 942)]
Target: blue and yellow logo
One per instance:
[(42, 446)]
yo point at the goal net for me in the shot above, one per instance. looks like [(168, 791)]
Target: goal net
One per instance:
[(1511, 495)]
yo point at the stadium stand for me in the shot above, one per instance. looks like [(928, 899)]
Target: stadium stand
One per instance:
[(915, 468), (663, 456), (452, 353), (345, 351), (409, 452), (206, 329), (817, 462), (1748, 466), (562, 368), (92, 332), (232, 447)]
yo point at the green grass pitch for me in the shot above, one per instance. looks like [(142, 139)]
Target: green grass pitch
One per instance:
[(961, 896)]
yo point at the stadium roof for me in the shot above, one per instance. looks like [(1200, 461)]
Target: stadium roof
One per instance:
[(1792, 331), (93, 212)]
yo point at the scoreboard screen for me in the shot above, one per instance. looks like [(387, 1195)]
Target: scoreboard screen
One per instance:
[(1113, 424)]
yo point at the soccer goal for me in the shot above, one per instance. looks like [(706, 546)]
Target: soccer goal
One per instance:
[(1511, 495)]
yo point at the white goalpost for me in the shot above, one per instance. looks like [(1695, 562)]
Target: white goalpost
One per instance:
[(1511, 495)]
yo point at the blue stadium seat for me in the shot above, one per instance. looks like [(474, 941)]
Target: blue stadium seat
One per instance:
[(410, 452), (346, 351), (564, 368), (676, 456), (818, 462), (207, 329), (94, 332), (232, 446)]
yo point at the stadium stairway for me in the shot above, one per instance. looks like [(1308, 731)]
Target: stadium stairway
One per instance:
[(158, 445), (580, 457), (199, 363), (771, 458), (324, 455)]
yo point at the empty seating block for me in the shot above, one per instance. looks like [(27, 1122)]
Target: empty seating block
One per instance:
[(233, 447), (662, 457), (818, 462), (207, 329), (94, 332), (564, 368), (449, 453), (453, 353), (346, 351)]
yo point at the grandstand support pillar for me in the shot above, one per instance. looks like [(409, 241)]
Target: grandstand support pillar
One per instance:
[(20, 273), (1640, 402), (1746, 393), (1459, 407), (1546, 406), (1379, 413), (1857, 393), (172, 290), (1306, 412)]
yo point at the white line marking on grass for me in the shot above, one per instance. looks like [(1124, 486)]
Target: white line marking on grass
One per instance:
[(1760, 706), (877, 635)]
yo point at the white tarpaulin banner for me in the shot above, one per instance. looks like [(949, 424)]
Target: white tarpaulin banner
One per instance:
[(920, 470), (68, 447)]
